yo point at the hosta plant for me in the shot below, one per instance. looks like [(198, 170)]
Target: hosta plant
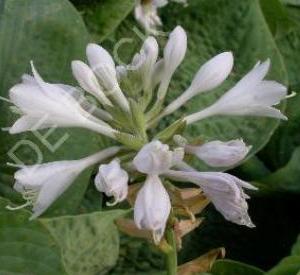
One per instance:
[(144, 165)]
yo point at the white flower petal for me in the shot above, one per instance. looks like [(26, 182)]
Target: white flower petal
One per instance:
[(112, 180), (224, 190), (220, 154), (152, 207), (154, 158)]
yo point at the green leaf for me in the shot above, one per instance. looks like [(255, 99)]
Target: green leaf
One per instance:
[(288, 266), (296, 247), (285, 179), (89, 242), (277, 17), (26, 247), (291, 2), (211, 29), (229, 267), (287, 138), (102, 17), (52, 34)]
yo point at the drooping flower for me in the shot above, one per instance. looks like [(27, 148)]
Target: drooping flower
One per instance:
[(152, 207), (113, 181), (220, 154), (46, 105), (145, 13), (42, 184), (252, 95), (224, 190)]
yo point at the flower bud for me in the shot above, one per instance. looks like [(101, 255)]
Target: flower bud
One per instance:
[(88, 81), (113, 181), (220, 154)]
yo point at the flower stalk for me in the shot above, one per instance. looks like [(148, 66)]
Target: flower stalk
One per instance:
[(171, 257)]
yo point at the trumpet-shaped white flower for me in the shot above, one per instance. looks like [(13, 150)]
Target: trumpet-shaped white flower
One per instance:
[(220, 154), (42, 184), (152, 207), (103, 65), (154, 158), (113, 181), (46, 105), (252, 95), (210, 75), (174, 53), (88, 81), (224, 190)]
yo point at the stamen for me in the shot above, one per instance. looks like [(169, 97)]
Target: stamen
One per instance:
[(115, 202), (292, 94), (18, 207)]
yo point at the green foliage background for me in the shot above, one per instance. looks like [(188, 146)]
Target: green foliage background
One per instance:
[(77, 235)]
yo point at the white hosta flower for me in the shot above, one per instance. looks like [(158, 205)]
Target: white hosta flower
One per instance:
[(210, 75), (88, 81), (154, 158), (113, 181), (103, 65), (46, 105), (42, 184), (225, 192), (220, 154), (252, 95), (145, 13), (174, 53), (152, 207)]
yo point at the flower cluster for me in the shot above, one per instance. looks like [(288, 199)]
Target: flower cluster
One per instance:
[(130, 101)]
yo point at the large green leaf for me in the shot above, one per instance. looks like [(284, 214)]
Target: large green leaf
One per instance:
[(26, 247), (51, 33), (102, 17), (89, 242), (228, 267), (212, 28), (85, 244), (286, 139), (296, 247), (289, 265), (285, 179)]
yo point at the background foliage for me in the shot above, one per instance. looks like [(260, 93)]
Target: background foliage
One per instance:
[(54, 32)]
